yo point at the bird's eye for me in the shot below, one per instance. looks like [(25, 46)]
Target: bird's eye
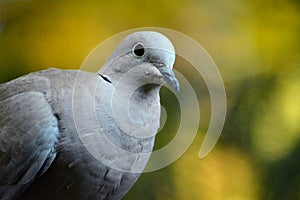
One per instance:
[(138, 50)]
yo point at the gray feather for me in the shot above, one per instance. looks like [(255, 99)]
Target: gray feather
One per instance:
[(63, 134)]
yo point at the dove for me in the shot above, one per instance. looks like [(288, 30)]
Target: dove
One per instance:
[(71, 134)]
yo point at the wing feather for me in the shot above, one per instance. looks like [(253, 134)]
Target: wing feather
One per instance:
[(28, 133)]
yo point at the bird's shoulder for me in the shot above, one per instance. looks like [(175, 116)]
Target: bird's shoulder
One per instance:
[(28, 130), (28, 133)]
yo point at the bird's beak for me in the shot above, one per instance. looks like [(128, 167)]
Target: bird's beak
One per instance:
[(169, 76)]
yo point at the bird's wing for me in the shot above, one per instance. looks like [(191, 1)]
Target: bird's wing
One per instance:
[(28, 132)]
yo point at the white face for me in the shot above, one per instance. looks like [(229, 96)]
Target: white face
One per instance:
[(152, 47), (151, 50)]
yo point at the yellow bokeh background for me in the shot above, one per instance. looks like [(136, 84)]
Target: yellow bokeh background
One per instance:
[(255, 44)]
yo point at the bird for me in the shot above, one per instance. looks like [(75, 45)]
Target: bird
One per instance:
[(73, 134)]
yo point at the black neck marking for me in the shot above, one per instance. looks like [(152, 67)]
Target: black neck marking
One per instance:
[(104, 78)]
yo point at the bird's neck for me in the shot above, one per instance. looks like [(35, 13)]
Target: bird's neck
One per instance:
[(129, 122), (135, 111), (148, 91)]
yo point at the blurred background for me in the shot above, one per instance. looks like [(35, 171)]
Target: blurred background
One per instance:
[(255, 44)]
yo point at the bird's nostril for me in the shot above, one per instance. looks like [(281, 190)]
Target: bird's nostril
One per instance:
[(159, 64)]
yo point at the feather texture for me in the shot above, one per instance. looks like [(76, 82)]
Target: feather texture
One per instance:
[(79, 135)]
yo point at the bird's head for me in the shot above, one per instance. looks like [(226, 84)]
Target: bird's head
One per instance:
[(143, 58)]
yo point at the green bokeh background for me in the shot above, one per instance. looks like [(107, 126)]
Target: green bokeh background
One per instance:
[(255, 44)]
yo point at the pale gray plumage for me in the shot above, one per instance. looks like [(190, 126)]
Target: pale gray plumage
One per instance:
[(41, 115)]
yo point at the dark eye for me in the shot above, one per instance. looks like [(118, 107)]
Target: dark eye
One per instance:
[(138, 50)]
